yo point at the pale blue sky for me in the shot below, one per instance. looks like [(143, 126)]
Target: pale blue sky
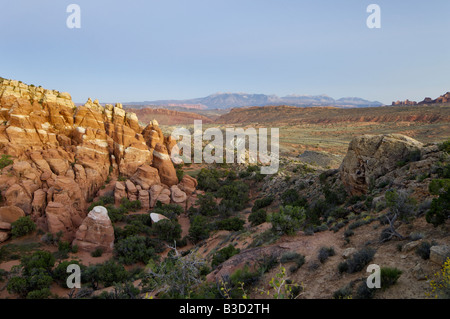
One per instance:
[(175, 49)]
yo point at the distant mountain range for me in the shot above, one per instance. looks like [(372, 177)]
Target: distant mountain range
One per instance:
[(234, 100)]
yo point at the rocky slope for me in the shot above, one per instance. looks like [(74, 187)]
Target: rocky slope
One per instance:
[(351, 203), (57, 156)]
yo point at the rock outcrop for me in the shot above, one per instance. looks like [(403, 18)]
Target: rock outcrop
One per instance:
[(146, 176), (188, 184), (96, 231), (372, 156), (62, 154), (162, 161)]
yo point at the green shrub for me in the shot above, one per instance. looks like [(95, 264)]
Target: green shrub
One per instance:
[(343, 293), (60, 273), (288, 220), (291, 198), (223, 255), (389, 276), (265, 238), (98, 252), (297, 258), (231, 224), (39, 259), (199, 229), (106, 274), (236, 193), (22, 226), (102, 201), (339, 212), (325, 253), (364, 292), (180, 174), (262, 202), (121, 291), (134, 249), (242, 277), (257, 217), (357, 261), (207, 205), (167, 230), (316, 211), (208, 179), (348, 233), (5, 160), (423, 250), (130, 205), (35, 274), (358, 223), (64, 248), (445, 146), (333, 197), (171, 211), (17, 285), (439, 211)]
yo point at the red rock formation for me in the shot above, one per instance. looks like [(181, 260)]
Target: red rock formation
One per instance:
[(162, 161), (96, 231), (146, 176), (63, 154)]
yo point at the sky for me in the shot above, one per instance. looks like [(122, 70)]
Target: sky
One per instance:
[(140, 50)]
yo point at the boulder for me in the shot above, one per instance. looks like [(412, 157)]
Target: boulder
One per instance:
[(132, 191), (162, 161), (146, 176), (96, 231), (347, 253), (4, 236), (154, 192), (372, 156), (178, 196), (152, 134), (119, 192), (10, 214), (16, 195), (188, 184), (164, 196), (157, 217), (439, 254), (39, 202), (59, 219), (144, 198), (5, 226)]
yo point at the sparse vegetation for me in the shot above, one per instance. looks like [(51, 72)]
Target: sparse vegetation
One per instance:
[(288, 220), (325, 253), (257, 217), (358, 261), (5, 160), (224, 254), (22, 226), (389, 276), (296, 258)]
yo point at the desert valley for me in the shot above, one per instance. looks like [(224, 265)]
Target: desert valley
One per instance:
[(93, 185)]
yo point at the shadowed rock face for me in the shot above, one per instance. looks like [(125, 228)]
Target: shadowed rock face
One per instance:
[(372, 156)]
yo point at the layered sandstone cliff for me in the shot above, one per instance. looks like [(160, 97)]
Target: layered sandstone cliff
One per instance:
[(63, 154)]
